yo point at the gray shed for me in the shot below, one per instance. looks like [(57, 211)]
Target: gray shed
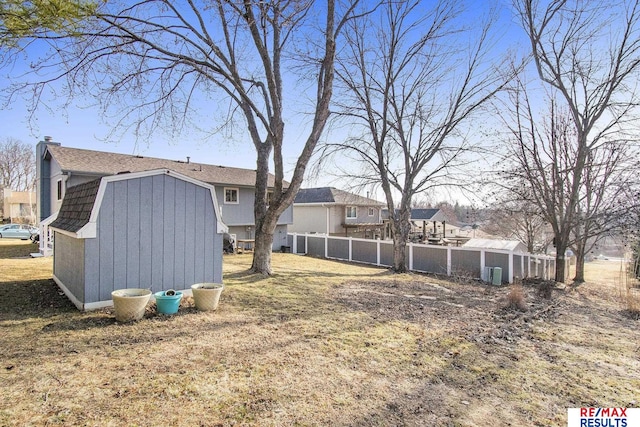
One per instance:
[(157, 230)]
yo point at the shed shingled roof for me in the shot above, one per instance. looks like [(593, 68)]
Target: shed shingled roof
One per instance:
[(77, 204), (334, 196), (104, 163)]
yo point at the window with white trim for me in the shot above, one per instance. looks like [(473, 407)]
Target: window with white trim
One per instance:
[(231, 195), (372, 212), (352, 212)]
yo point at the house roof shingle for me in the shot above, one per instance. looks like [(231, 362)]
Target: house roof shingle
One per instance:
[(103, 163), (77, 204), (419, 214), (333, 196)]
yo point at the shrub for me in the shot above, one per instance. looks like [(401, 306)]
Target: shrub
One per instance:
[(516, 298)]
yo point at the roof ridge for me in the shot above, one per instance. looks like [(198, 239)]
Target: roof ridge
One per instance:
[(139, 156)]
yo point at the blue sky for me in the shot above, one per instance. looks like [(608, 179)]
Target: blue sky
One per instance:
[(80, 126)]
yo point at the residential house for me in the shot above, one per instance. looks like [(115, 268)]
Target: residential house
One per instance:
[(19, 206), (156, 230), (59, 168), (332, 211)]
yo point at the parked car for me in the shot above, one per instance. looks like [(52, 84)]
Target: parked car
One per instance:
[(17, 231)]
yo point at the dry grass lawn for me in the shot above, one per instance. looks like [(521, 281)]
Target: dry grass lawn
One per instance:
[(319, 343)]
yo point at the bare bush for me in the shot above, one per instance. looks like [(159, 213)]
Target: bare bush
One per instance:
[(516, 298)]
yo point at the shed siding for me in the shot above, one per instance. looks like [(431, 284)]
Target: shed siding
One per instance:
[(70, 268), (154, 232), (146, 230)]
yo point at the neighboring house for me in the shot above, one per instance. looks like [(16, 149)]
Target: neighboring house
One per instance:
[(332, 211), (506, 245), (59, 168), (19, 206), (426, 223), (155, 230)]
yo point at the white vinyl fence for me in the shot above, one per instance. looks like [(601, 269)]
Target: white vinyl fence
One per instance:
[(446, 260)]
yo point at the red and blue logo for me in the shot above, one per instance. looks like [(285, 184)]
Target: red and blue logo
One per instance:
[(603, 417)]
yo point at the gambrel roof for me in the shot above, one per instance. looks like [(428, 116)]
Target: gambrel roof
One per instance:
[(77, 204), (81, 203)]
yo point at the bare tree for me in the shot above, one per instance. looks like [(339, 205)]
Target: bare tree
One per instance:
[(17, 165), (543, 163), (156, 59), (588, 51), (412, 78), (515, 218)]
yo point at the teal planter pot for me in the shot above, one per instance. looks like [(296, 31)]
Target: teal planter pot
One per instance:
[(168, 302)]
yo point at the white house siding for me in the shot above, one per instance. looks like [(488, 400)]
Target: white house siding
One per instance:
[(239, 217), (156, 232), (309, 219), (241, 213), (337, 215)]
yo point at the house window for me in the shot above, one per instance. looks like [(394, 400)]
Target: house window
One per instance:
[(352, 212), (371, 212), (269, 197), (59, 190), (231, 195)]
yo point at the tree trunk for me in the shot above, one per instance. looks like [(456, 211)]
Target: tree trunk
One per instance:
[(399, 256), (264, 216), (560, 263), (262, 253), (401, 226), (579, 278)]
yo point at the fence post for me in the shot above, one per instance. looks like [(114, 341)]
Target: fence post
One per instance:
[(306, 243), (449, 261), (378, 252), (350, 249), (326, 246), (510, 275), (482, 263), (411, 256), (294, 244)]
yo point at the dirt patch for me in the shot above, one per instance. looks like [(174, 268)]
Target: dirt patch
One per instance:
[(318, 343)]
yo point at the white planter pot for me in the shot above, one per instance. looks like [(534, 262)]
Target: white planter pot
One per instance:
[(129, 304), (206, 295)]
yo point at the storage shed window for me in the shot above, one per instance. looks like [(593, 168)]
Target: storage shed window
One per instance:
[(352, 212), (231, 195), (59, 190)]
